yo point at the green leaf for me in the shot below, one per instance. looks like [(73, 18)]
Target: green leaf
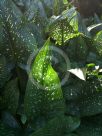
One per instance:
[(74, 21), (91, 105), (58, 126), (53, 127), (71, 134), (5, 73), (9, 120), (69, 13), (11, 96), (23, 118), (82, 26), (17, 42), (90, 65), (41, 62), (62, 31), (65, 26), (71, 123), (56, 7), (44, 94), (6, 131), (73, 92), (65, 1), (90, 127), (86, 101), (98, 39)]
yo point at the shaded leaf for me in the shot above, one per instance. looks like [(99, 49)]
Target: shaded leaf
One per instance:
[(90, 128), (5, 73), (6, 131), (58, 126), (9, 120), (11, 96), (17, 39)]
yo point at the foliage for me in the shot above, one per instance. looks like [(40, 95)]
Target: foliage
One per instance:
[(33, 100)]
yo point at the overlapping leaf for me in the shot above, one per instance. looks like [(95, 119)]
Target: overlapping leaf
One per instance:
[(91, 126), (62, 32), (85, 100), (58, 126), (44, 94), (98, 39), (5, 73), (11, 96), (6, 131), (17, 42), (65, 27)]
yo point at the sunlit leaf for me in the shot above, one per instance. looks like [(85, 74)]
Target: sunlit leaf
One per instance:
[(79, 72), (65, 1), (43, 93), (90, 28), (62, 32), (65, 26)]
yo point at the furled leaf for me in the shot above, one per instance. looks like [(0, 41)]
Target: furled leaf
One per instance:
[(44, 94)]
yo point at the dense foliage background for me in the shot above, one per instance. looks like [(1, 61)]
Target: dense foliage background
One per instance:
[(34, 37)]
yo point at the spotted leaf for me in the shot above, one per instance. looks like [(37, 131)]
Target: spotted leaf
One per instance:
[(44, 94), (17, 42)]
